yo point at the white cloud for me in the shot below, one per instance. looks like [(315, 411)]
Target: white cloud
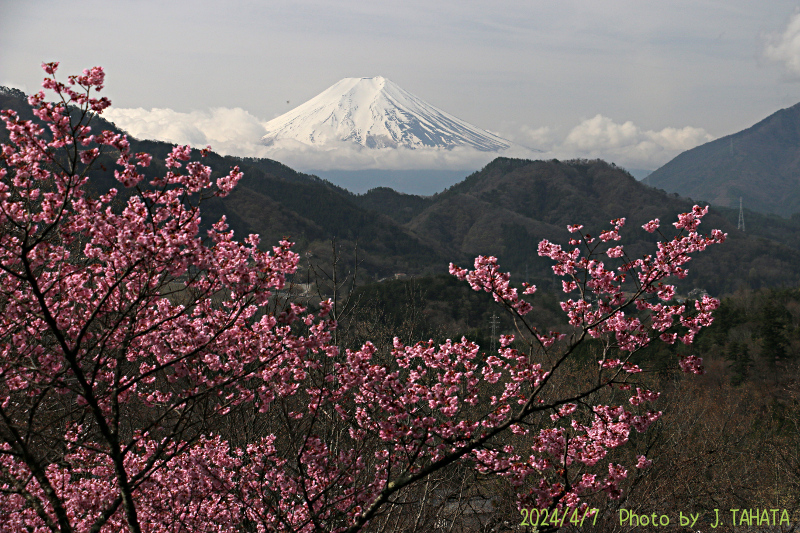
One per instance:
[(237, 132), (785, 47), (600, 137), (600, 133), (542, 138), (627, 144), (222, 128), (350, 156)]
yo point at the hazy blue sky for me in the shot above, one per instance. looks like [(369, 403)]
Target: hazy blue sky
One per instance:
[(632, 80)]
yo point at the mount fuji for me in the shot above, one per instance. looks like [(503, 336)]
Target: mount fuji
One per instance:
[(377, 113)]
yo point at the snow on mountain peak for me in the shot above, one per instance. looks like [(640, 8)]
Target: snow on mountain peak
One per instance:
[(376, 113)]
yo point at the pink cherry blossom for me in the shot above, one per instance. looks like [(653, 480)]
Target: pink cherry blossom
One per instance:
[(127, 336)]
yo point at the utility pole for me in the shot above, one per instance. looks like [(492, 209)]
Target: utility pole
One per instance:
[(740, 226), (494, 323)]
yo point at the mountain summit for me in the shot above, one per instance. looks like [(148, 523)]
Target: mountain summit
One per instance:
[(377, 113)]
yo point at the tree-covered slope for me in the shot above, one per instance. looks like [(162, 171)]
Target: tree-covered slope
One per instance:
[(510, 205), (275, 201), (504, 210), (760, 164)]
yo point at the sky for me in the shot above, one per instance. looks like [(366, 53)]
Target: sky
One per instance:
[(627, 81)]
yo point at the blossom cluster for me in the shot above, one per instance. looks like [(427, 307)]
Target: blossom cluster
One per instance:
[(627, 307), (126, 332)]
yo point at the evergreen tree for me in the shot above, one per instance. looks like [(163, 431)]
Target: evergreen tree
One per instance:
[(741, 361)]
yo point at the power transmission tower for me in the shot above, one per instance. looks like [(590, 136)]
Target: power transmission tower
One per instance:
[(741, 216), (494, 325)]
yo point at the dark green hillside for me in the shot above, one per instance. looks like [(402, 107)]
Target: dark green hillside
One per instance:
[(275, 201), (399, 206), (510, 205), (440, 307), (504, 210), (760, 164)]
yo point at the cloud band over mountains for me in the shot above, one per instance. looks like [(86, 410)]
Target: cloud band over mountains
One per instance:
[(625, 143), (234, 131)]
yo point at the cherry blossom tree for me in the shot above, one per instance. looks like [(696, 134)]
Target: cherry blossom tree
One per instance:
[(148, 384)]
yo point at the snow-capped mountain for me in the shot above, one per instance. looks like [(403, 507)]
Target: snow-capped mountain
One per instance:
[(377, 113)]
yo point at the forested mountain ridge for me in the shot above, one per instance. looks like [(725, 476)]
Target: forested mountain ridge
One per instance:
[(504, 210), (275, 201), (510, 205), (759, 164)]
